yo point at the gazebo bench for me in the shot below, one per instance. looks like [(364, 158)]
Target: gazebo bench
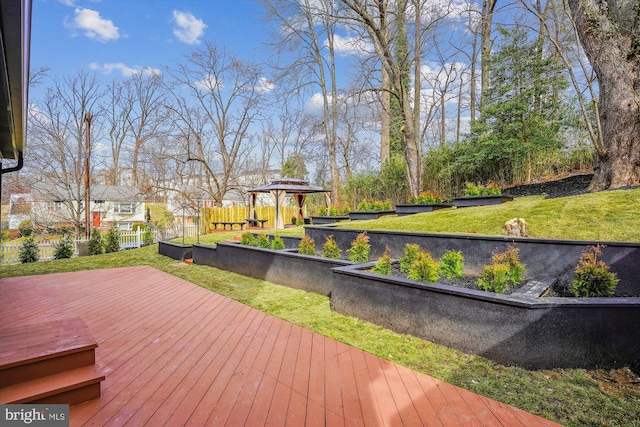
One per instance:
[(254, 222), (229, 223)]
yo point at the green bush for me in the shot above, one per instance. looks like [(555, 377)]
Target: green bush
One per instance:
[(373, 205), (411, 252), (29, 251), (63, 249), (426, 198), (360, 247), (592, 276), (505, 271), (384, 264), (96, 245), (424, 268), (25, 228), (264, 241), (333, 211), (112, 241), (451, 264), (147, 237), (491, 189), (307, 246), (494, 278), (330, 249), (248, 239), (277, 244)]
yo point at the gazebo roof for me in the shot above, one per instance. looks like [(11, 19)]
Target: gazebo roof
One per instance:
[(290, 185)]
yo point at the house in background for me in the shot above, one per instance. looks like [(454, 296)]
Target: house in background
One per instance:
[(56, 205)]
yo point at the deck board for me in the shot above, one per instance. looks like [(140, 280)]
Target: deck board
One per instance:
[(177, 354)]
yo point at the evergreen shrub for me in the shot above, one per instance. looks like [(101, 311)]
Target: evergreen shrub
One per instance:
[(307, 246), (592, 276), (360, 247), (330, 249)]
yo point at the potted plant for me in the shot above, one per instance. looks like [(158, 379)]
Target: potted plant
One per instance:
[(330, 215), (372, 209), (427, 201), (481, 195)]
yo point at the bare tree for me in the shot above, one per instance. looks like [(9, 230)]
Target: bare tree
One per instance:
[(57, 135), (216, 98), (308, 28)]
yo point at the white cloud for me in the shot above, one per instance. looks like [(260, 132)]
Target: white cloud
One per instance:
[(68, 2), (265, 85), (209, 84), (188, 28), (346, 46), (93, 25), (125, 70)]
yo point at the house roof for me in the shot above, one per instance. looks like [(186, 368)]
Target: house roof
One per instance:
[(15, 22), (112, 193), (290, 185)]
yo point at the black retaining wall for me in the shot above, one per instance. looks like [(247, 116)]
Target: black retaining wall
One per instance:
[(284, 267), (535, 333), (175, 250)]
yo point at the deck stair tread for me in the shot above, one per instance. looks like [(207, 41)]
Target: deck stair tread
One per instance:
[(41, 388), (32, 343)]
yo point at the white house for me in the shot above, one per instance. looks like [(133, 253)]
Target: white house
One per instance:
[(56, 204)]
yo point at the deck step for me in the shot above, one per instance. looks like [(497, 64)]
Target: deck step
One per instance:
[(69, 387), (34, 351)]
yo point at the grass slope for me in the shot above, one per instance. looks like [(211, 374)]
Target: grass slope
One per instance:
[(605, 216), (573, 397)]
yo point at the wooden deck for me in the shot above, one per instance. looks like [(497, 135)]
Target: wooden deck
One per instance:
[(176, 354)]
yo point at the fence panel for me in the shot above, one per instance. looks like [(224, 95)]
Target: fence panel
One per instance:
[(241, 213)]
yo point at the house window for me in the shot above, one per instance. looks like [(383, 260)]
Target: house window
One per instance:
[(124, 208)]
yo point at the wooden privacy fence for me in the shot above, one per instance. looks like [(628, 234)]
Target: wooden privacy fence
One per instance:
[(241, 213)]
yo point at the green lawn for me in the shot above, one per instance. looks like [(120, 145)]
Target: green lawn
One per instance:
[(572, 397)]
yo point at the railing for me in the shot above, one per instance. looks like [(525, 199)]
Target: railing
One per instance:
[(10, 252)]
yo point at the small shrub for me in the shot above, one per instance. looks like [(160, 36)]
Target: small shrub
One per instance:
[(299, 222), (592, 276), (307, 246), (504, 271), (29, 251), (426, 198), (494, 278), (330, 249), (277, 244), (248, 239), (322, 211), (373, 205), (346, 210), (424, 268), (360, 248), (112, 241), (25, 228), (147, 237), (95, 245), (451, 264), (264, 241), (63, 249), (491, 189), (411, 252), (384, 264), (333, 211)]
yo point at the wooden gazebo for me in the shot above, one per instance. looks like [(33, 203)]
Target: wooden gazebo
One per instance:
[(279, 190)]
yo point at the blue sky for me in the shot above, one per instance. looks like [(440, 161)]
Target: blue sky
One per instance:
[(114, 37)]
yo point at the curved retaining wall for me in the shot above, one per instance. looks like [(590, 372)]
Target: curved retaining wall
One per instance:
[(541, 257), (535, 333), (284, 267)]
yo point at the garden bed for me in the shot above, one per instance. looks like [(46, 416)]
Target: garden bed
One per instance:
[(465, 202), (283, 267), (175, 250), (518, 329), (361, 215)]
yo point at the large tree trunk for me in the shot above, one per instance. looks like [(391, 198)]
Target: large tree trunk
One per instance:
[(610, 34)]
